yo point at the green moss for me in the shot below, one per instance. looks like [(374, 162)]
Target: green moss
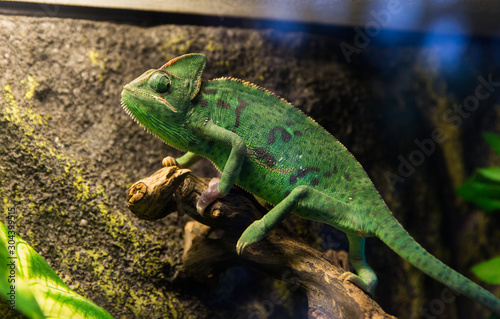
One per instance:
[(31, 84), (98, 60), (177, 44), (100, 190), (11, 111), (6, 206), (83, 188), (213, 46), (223, 63)]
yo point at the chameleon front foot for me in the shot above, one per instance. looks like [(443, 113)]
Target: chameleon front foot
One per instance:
[(254, 233), (169, 161), (367, 287), (209, 196)]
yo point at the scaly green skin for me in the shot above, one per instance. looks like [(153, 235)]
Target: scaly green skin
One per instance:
[(265, 145)]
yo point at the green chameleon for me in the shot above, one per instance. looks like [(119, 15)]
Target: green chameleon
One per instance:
[(263, 144)]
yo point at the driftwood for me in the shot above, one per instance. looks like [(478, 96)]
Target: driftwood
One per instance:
[(211, 247)]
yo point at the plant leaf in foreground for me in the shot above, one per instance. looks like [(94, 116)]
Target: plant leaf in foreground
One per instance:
[(35, 289)]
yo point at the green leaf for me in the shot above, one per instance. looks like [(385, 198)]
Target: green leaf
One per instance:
[(38, 291), (13, 288), (488, 271), (483, 188), (493, 140)]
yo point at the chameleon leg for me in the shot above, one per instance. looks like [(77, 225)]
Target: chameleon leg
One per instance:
[(184, 161), (260, 228), (366, 279), (220, 187), (188, 159)]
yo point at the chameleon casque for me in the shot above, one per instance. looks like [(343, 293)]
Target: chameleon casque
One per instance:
[(268, 147)]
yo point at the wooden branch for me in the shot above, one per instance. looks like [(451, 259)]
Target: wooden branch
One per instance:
[(173, 189)]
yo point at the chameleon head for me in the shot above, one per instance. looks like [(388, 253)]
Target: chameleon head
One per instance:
[(159, 99)]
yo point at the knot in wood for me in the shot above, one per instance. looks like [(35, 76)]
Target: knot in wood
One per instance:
[(215, 213), (137, 192)]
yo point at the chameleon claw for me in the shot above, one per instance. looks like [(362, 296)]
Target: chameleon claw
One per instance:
[(240, 247), (346, 276), (357, 281), (254, 233), (209, 195)]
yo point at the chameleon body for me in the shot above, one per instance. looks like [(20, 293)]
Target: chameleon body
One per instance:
[(266, 146)]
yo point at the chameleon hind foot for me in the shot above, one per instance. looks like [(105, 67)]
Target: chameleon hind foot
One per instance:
[(369, 288), (209, 195), (366, 279)]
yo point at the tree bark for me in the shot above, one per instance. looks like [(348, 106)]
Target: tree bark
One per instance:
[(279, 254)]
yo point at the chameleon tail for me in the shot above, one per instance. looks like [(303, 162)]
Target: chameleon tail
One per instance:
[(398, 239)]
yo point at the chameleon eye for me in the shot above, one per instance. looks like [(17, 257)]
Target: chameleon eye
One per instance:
[(159, 82)]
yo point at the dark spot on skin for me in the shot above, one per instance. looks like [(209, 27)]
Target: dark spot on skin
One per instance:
[(334, 171), (203, 103), (315, 182), (288, 123), (210, 91), (263, 156), (297, 133), (301, 173), (347, 177), (285, 136), (354, 190), (418, 261), (241, 106), (223, 104)]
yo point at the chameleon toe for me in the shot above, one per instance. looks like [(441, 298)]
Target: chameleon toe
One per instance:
[(240, 247), (357, 281)]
